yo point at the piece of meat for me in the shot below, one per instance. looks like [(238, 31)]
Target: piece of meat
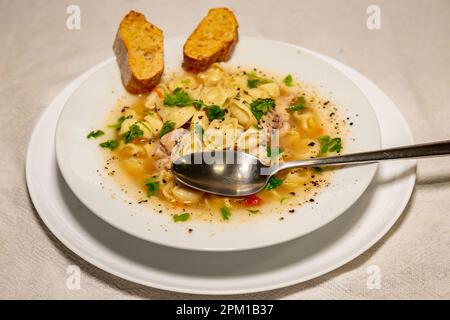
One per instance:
[(161, 157), (163, 163), (282, 103), (169, 140), (275, 121), (160, 152), (272, 120), (278, 119)]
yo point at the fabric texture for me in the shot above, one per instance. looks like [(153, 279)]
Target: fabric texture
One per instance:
[(408, 58)]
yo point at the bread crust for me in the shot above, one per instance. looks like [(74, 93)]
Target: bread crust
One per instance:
[(129, 79), (195, 64)]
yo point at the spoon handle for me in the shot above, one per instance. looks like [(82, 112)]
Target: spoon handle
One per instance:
[(414, 151)]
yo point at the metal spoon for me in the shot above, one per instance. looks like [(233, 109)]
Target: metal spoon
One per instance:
[(235, 173)]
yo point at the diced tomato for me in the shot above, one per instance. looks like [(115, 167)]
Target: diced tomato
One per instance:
[(252, 200)]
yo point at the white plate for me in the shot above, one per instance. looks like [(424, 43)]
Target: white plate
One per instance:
[(222, 273), (80, 159)]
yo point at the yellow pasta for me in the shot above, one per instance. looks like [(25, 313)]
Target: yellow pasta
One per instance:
[(241, 111)]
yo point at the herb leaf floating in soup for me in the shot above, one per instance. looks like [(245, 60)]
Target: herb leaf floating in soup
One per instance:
[(225, 212), (260, 107), (95, 134), (133, 133), (217, 109), (288, 80), (274, 182), (214, 112), (118, 125), (274, 152), (179, 98), (166, 128), (181, 217), (300, 104), (152, 187), (330, 145), (110, 144), (317, 169), (254, 211), (254, 81)]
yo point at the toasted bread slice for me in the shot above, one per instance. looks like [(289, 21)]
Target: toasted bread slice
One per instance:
[(213, 40), (139, 51)]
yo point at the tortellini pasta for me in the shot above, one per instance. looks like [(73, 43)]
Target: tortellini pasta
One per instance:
[(306, 121), (142, 124), (241, 111), (177, 115), (132, 150), (154, 122), (186, 195), (216, 95), (185, 82), (132, 165), (296, 178), (268, 90), (154, 99), (213, 75)]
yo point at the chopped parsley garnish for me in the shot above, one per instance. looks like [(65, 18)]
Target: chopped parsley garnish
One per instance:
[(118, 125), (225, 212), (330, 145), (260, 107), (254, 81), (288, 80), (214, 112), (300, 104), (199, 104), (95, 134), (110, 144), (166, 128), (133, 133), (179, 98), (318, 169), (274, 152), (181, 217), (274, 182), (152, 187), (254, 211)]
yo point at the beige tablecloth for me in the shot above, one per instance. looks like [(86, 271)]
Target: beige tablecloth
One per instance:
[(409, 58)]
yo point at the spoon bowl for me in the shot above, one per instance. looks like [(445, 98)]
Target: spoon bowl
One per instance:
[(226, 173)]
